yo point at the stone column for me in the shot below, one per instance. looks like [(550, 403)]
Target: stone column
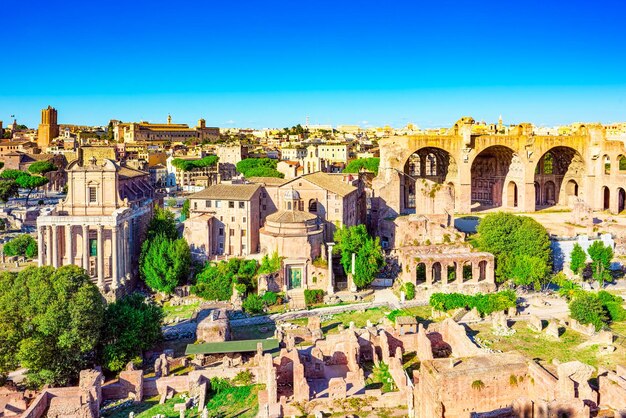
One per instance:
[(68, 244), (331, 281), (459, 272), (86, 248), (489, 273), (100, 257), (475, 272), (40, 245), (444, 273), (114, 257), (429, 273), (55, 246), (126, 245)]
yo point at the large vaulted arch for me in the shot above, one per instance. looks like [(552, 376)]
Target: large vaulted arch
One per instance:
[(426, 183), (496, 172), (558, 176)]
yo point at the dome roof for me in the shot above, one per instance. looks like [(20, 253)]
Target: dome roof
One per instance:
[(291, 194)]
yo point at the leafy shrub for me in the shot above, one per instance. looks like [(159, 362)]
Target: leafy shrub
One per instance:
[(243, 378), (313, 296), (241, 288), (270, 264), (612, 306), (219, 384), (587, 308), (270, 298), (215, 281), (409, 290), (23, 245), (396, 313), (484, 304), (253, 304), (478, 385)]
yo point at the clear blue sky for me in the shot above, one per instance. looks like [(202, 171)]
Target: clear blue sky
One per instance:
[(270, 63)]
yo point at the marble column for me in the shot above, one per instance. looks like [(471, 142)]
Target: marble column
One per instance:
[(126, 248), (331, 281), (86, 249), (55, 246), (100, 257), (40, 245), (114, 257), (48, 245), (68, 244)]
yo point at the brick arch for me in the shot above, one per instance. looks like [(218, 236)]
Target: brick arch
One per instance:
[(554, 171), (427, 180), (492, 170)]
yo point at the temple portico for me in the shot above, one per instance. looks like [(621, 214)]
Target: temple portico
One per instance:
[(100, 245), (99, 225)]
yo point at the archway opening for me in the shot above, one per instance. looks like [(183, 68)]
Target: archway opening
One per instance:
[(621, 163), (511, 193), (467, 272), (451, 271), (421, 185), (571, 188), (621, 200), (606, 198), (482, 268), (436, 272), (420, 273), (489, 172), (557, 175), (606, 164)]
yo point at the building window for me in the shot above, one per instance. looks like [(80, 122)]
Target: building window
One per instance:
[(232, 219), (221, 232), (242, 205), (243, 232), (264, 207), (231, 232), (195, 205), (93, 197), (244, 219), (218, 203), (208, 203), (231, 205)]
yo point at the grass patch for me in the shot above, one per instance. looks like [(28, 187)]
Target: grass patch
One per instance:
[(182, 311), (534, 345), (235, 401), (252, 332)]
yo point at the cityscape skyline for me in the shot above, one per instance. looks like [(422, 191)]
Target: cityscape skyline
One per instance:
[(270, 65)]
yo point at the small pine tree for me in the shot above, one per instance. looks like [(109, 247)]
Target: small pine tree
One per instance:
[(578, 259)]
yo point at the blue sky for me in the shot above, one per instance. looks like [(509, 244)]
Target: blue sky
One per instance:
[(270, 63)]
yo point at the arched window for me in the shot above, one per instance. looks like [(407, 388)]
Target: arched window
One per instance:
[(313, 206)]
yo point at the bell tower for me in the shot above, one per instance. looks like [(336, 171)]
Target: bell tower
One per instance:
[(48, 128)]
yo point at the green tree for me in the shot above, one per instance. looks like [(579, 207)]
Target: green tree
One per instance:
[(369, 164), (164, 263), (258, 167), (8, 189), (132, 325), (41, 167), (31, 183), (509, 237), (22, 245), (578, 259), (50, 322), (369, 253), (601, 257), (162, 223), (587, 308), (216, 280), (185, 210)]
